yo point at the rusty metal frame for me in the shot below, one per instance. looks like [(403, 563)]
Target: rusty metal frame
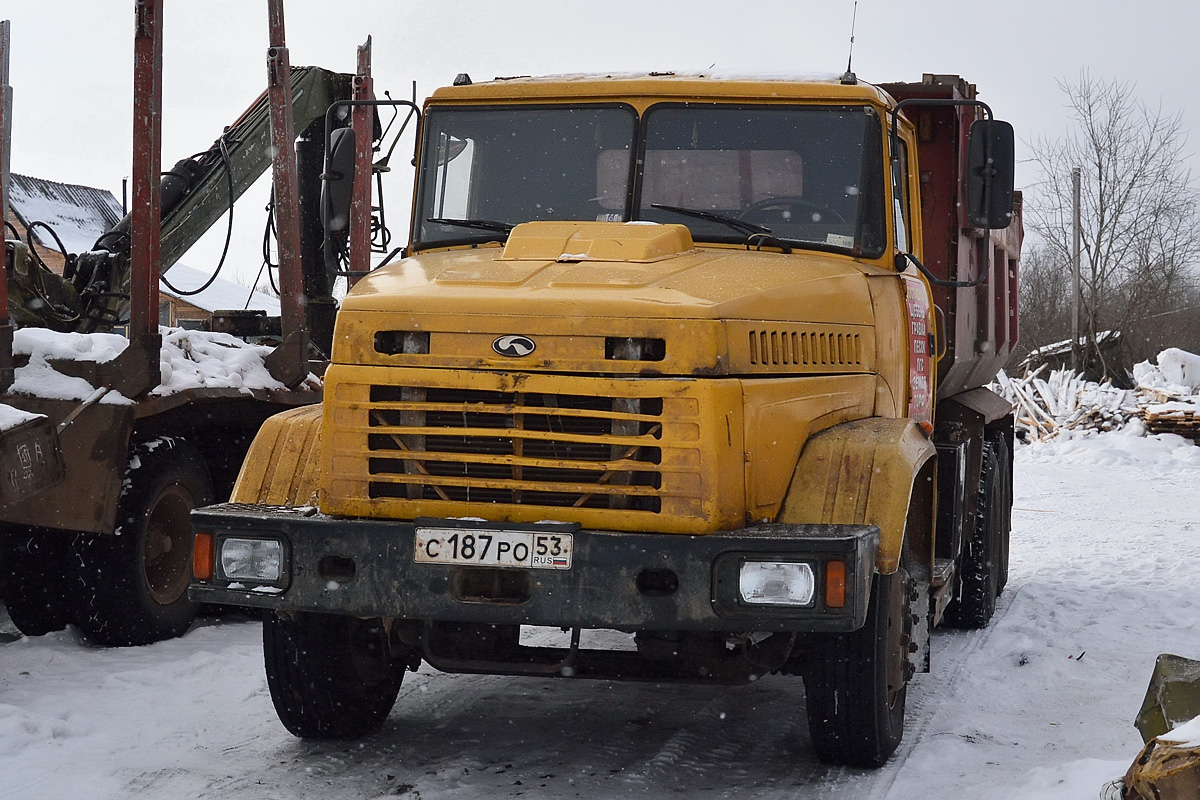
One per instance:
[(289, 363), (362, 122), (136, 370), (147, 158), (6, 329)]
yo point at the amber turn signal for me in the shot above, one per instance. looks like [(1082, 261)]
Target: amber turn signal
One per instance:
[(202, 557), (835, 584)]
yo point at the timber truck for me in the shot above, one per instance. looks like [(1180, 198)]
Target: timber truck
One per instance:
[(97, 479), (700, 361)]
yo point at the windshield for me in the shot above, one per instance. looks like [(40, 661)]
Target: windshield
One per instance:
[(809, 175), (772, 176), (503, 166)]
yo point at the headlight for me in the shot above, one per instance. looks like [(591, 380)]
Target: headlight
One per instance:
[(259, 560), (776, 583)]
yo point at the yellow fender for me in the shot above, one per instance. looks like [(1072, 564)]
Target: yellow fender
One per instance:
[(283, 464), (866, 472)]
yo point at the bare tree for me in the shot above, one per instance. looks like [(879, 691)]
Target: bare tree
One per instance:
[(1044, 301), (1140, 214)]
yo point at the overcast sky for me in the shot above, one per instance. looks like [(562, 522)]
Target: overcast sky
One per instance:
[(72, 60)]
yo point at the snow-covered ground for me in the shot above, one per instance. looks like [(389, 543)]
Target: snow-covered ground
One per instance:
[(1040, 706)]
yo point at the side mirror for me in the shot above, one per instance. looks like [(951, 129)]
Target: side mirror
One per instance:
[(337, 184), (991, 163)]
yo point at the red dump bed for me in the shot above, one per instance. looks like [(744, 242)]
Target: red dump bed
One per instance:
[(979, 327)]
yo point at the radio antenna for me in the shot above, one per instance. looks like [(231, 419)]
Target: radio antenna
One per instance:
[(850, 78)]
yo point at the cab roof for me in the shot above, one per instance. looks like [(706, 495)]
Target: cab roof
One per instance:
[(826, 87)]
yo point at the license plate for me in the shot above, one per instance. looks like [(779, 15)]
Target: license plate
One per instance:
[(483, 547)]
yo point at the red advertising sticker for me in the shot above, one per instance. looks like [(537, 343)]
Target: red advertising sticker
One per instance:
[(920, 357)]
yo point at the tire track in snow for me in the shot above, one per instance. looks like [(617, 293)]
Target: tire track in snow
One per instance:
[(948, 669)]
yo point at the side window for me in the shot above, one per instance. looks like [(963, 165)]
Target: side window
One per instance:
[(900, 204), (452, 179)]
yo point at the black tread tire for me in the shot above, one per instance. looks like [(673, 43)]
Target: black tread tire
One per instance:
[(135, 581), (974, 601), (39, 582), (330, 676), (855, 718)]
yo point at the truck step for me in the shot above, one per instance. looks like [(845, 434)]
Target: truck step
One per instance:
[(943, 571)]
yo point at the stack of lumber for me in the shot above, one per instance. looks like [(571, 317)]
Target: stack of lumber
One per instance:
[(1065, 401), (1180, 418), (1170, 393), (1165, 400)]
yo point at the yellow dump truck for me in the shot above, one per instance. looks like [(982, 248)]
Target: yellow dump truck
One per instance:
[(698, 360)]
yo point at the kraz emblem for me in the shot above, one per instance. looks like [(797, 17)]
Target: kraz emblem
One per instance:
[(514, 346)]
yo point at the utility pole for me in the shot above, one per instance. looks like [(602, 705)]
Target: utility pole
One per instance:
[(1076, 361)]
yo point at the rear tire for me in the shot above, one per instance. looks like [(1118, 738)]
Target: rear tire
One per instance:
[(39, 583), (980, 565), (1005, 455), (136, 579), (856, 683), (330, 676)]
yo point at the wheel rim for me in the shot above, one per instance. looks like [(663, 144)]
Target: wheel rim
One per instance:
[(167, 545)]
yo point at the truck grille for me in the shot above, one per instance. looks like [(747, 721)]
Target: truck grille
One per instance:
[(525, 448)]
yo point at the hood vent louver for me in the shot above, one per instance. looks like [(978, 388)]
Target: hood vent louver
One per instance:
[(805, 349)]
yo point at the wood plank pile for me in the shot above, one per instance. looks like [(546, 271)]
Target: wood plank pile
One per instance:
[(1180, 418), (1065, 401), (1048, 405), (1170, 393)]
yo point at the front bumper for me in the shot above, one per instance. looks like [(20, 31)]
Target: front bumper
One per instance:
[(625, 581)]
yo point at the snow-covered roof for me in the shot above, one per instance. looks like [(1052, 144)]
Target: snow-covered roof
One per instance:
[(78, 214), (1103, 339), (223, 295)]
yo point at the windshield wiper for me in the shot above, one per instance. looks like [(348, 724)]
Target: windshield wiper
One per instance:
[(478, 224), (759, 235)]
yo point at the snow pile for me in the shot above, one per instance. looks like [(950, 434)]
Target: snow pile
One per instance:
[(1166, 400), (189, 360), (1178, 371), (195, 359), (1186, 735), (11, 418), (39, 378)]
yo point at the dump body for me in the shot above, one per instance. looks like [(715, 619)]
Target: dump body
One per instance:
[(659, 358), (980, 325)]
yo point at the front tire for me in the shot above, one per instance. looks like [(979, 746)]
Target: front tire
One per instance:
[(856, 683), (136, 579), (331, 677)]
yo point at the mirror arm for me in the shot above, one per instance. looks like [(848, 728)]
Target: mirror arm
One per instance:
[(936, 281), (893, 136), (327, 172)]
